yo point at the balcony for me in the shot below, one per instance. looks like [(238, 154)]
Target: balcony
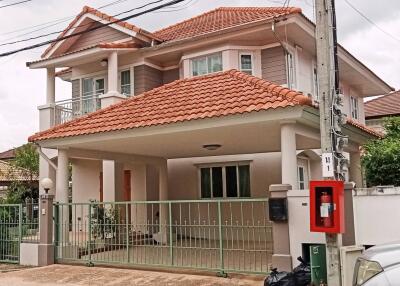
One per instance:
[(66, 110)]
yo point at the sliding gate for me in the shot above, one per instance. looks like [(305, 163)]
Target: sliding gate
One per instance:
[(216, 235)]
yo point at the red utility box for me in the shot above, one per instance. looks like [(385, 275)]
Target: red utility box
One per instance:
[(327, 206)]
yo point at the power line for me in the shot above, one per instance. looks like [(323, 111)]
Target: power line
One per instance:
[(92, 29), (79, 26), (16, 3), (56, 22), (372, 22)]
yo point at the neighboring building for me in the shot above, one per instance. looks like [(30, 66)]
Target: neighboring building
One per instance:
[(212, 107), (379, 108), (7, 155), (10, 174)]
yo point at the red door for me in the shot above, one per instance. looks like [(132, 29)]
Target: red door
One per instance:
[(127, 191), (101, 186)]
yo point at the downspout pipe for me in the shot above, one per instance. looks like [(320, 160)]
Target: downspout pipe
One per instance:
[(44, 156)]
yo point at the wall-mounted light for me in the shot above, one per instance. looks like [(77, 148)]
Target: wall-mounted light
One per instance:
[(104, 62), (212, 147)]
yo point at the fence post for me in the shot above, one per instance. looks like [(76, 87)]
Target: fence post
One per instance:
[(19, 231), (90, 235), (281, 258), (46, 246), (127, 218), (171, 250), (221, 273)]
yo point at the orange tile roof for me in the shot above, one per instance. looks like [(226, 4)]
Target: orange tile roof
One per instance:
[(8, 173), (387, 105), (63, 71), (364, 128), (219, 94), (93, 11), (221, 18)]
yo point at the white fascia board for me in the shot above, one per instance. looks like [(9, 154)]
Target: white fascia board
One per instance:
[(293, 113), (59, 60)]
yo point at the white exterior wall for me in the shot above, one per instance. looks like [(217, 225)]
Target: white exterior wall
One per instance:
[(184, 176), (299, 223), (376, 218), (304, 72)]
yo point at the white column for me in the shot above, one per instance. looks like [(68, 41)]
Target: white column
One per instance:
[(355, 171), (162, 236), (51, 86), (112, 181), (288, 154), (62, 186), (112, 96), (113, 72)]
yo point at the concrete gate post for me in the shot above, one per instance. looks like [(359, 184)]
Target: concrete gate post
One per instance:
[(46, 246), (281, 257)]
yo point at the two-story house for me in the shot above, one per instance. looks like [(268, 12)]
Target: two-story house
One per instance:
[(219, 106)]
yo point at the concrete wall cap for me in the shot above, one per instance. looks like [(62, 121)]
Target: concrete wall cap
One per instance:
[(46, 106), (112, 94), (349, 185), (280, 187)]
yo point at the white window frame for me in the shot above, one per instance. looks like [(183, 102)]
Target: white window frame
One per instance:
[(354, 108), (252, 62), (306, 170), (290, 62), (130, 81), (223, 166), (207, 56)]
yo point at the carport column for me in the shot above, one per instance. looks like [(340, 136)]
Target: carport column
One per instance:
[(163, 196), (281, 257), (288, 154), (113, 175), (46, 247), (62, 187)]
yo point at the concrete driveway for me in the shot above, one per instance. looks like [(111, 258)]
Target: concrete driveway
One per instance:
[(67, 275)]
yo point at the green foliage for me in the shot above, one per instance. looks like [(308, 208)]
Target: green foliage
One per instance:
[(381, 159), (26, 166), (27, 159)]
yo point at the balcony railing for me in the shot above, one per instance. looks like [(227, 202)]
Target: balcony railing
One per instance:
[(66, 110)]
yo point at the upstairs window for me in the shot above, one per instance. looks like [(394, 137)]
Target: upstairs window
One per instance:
[(354, 107), (230, 181), (126, 82), (207, 64), (290, 71), (246, 63)]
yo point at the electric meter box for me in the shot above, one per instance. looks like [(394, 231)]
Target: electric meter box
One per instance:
[(327, 206)]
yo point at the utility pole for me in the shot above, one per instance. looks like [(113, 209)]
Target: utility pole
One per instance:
[(334, 163)]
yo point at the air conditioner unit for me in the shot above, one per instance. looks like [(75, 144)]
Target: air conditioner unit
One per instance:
[(348, 258)]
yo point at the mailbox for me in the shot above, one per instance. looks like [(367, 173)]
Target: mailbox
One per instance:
[(327, 206), (277, 208)]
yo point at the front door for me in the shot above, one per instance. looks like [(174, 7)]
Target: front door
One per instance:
[(127, 191)]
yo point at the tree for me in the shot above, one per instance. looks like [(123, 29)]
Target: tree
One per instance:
[(381, 158), (24, 173)]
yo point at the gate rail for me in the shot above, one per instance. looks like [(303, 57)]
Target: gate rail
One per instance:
[(225, 235)]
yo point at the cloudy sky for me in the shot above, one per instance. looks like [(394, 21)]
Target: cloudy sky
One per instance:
[(22, 90)]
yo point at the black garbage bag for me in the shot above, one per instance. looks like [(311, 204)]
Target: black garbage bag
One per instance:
[(302, 273), (279, 278)]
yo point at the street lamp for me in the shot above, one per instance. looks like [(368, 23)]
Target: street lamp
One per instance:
[(47, 184)]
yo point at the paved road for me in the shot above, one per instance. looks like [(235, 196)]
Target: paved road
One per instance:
[(66, 275)]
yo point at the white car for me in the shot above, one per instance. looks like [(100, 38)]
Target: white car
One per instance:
[(378, 266)]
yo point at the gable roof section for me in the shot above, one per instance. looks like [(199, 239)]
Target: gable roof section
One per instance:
[(7, 155), (215, 95), (103, 16), (221, 18), (387, 105)]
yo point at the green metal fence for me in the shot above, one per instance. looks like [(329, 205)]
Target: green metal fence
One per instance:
[(218, 235), (18, 223), (10, 232)]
